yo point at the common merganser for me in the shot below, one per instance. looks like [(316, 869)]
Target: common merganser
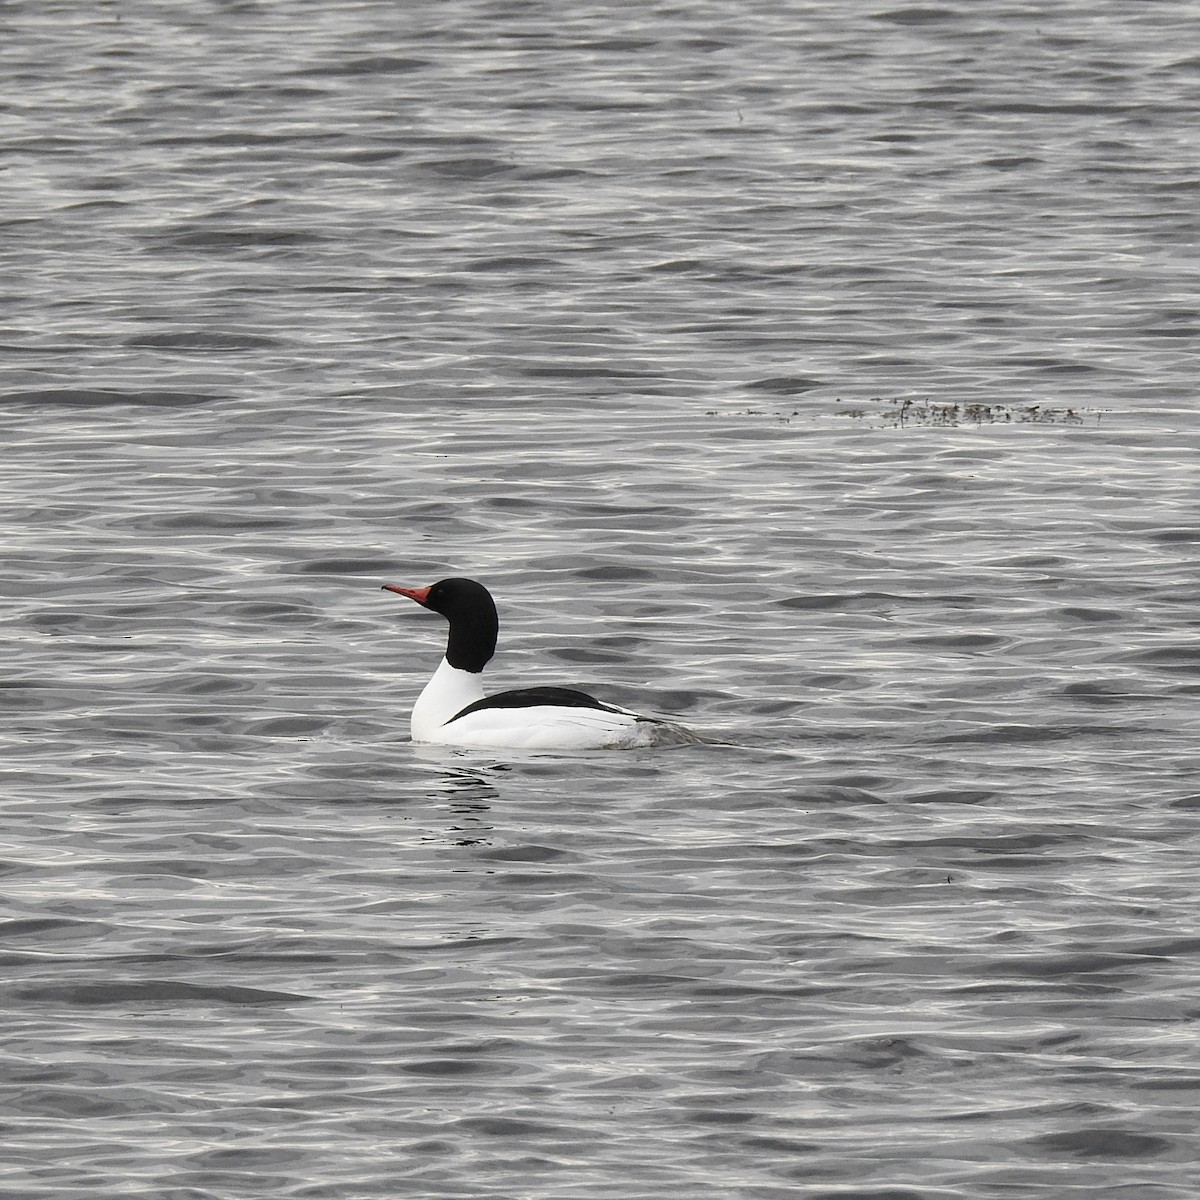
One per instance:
[(453, 711)]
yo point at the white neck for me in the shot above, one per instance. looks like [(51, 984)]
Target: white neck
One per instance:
[(448, 692)]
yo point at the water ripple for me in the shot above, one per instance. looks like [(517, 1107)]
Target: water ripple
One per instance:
[(820, 378)]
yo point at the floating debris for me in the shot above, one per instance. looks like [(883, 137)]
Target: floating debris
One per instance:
[(898, 411), (907, 411)]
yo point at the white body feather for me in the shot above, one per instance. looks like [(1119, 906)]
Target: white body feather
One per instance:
[(530, 727)]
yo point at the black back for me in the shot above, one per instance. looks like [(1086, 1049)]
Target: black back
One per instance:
[(559, 697)]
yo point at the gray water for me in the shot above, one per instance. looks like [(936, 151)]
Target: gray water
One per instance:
[(821, 376)]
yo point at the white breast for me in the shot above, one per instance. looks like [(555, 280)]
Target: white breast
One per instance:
[(448, 692)]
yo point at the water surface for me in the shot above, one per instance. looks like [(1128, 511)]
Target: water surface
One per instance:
[(820, 376)]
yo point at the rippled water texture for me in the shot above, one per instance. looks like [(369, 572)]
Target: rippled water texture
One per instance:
[(821, 376)]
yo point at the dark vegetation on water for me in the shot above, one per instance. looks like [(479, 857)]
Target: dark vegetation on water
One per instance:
[(898, 411)]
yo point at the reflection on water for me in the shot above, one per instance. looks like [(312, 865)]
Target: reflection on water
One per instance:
[(471, 796)]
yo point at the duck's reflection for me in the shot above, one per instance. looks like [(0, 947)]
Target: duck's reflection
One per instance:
[(467, 793), (470, 805)]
